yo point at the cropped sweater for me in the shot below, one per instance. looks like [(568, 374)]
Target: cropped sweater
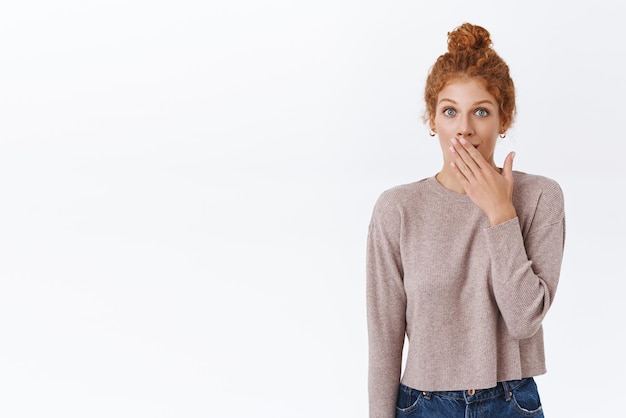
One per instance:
[(469, 297)]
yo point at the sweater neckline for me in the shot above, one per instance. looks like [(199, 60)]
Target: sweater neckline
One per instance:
[(441, 190)]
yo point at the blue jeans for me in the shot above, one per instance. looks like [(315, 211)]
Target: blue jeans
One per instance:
[(514, 398)]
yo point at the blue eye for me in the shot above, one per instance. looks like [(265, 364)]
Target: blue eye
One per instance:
[(449, 112), (481, 112)]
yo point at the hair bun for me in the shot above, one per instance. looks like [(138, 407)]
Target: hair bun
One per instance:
[(467, 37)]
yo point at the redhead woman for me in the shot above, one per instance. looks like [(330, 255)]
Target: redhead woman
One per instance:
[(464, 263)]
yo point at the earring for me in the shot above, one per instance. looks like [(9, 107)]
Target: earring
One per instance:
[(502, 134), (432, 133)]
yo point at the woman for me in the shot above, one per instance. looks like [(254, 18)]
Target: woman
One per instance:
[(465, 263)]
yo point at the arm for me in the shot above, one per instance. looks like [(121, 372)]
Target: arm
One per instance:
[(525, 270), (386, 307)]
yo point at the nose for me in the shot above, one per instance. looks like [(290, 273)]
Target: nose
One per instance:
[(465, 128)]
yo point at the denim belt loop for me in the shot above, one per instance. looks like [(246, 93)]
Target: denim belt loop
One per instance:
[(507, 391)]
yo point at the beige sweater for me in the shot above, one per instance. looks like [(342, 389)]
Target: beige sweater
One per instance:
[(470, 298)]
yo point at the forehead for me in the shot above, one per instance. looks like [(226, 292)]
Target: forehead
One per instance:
[(465, 91)]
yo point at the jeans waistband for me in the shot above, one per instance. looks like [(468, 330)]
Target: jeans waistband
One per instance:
[(501, 389)]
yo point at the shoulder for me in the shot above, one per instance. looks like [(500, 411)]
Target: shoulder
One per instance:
[(392, 205), (535, 182), (540, 194), (398, 197)]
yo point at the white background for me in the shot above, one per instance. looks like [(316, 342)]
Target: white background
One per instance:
[(185, 191)]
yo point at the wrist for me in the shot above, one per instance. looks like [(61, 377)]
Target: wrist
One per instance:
[(502, 215)]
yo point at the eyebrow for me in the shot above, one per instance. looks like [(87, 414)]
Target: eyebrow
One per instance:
[(474, 104)]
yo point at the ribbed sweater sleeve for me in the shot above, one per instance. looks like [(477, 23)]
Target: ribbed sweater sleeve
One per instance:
[(386, 307), (526, 270)]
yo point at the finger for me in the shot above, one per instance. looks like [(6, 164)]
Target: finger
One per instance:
[(507, 167), (459, 164), (465, 149), (459, 175), (463, 159), (477, 157)]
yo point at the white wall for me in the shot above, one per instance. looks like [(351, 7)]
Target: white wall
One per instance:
[(185, 190)]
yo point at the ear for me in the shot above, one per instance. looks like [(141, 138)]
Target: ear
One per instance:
[(431, 123)]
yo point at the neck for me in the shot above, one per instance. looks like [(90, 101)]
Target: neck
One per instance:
[(448, 180)]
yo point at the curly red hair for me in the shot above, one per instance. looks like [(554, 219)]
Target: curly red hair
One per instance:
[(471, 55)]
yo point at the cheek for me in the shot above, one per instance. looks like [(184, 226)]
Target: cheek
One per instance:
[(444, 143), (442, 128), (487, 148)]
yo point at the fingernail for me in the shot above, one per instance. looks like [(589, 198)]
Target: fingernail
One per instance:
[(463, 141), (451, 149), (453, 140)]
